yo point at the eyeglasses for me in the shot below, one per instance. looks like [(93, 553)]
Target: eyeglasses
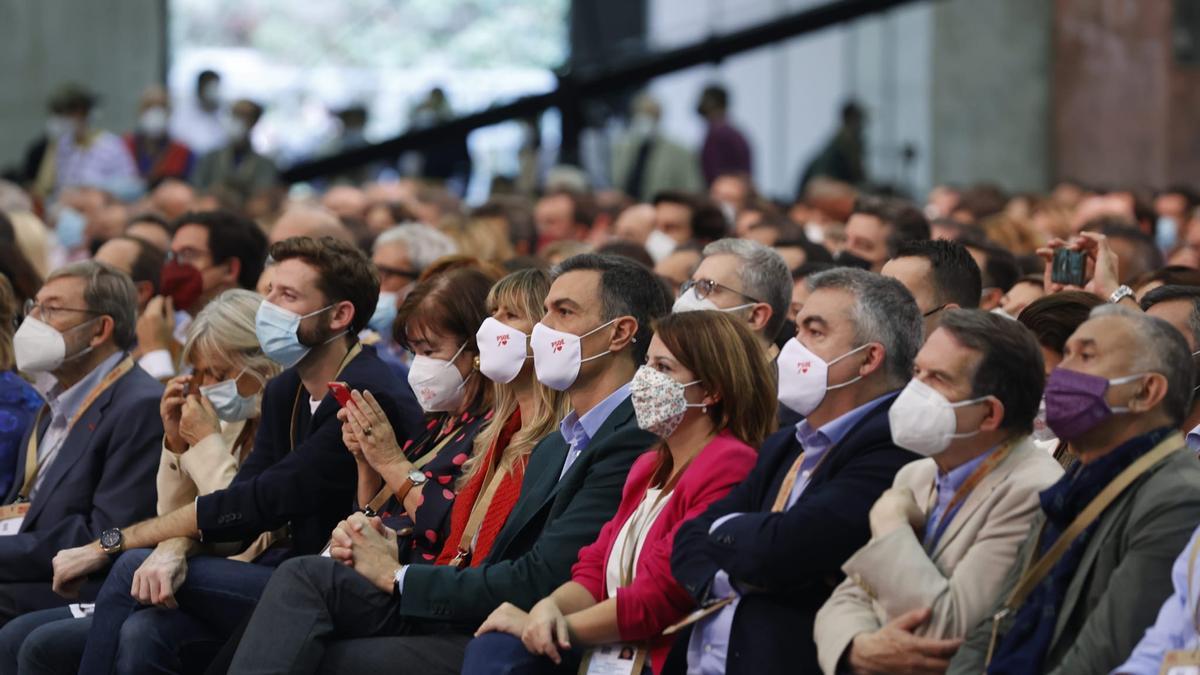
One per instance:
[(187, 256), (48, 314), (705, 287), (385, 271)]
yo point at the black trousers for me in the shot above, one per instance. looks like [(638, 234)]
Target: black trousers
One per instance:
[(318, 616)]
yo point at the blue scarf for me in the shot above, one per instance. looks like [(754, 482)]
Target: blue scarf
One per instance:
[(1024, 646)]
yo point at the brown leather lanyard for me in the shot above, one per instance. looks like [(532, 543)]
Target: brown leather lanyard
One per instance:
[(33, 467)]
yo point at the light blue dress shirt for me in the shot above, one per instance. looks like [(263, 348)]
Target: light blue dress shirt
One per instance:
[(709, 646), (1175, 628), (1193, 440), (578, 431), (947, 484), (63, 407)]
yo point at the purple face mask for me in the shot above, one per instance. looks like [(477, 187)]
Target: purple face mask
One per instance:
[(1075, 402)]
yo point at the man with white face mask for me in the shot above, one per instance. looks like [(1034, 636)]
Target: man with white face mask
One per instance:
[(645, 162), (197, 121), (744, 278), (945, 535), (766, 557), (89, 461), (236, 166)]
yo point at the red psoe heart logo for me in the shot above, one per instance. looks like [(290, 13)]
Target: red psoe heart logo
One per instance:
[(803, 367), (502, 340), (557, 345)]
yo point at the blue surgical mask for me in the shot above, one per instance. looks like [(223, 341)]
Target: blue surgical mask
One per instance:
[(1166, 233), (385, 314), (278, 333), (69, 228), (230, 405)]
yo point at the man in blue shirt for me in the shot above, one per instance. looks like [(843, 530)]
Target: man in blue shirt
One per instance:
[(1175, 629), (772, 549)]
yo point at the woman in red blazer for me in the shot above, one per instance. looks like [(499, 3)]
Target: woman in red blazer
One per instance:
[(707, 390)]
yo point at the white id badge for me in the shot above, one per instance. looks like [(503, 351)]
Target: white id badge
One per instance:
[(82, 610), (619, 658), (11, 525)]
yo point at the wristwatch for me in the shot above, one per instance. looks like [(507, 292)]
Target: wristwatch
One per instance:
[(1120, 294), (415, 478), (112, 541)]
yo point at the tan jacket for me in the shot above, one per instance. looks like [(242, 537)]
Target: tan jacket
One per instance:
[(206, 467), (894, 574)]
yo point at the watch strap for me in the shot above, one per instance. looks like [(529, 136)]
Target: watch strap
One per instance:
[(1120, 294)]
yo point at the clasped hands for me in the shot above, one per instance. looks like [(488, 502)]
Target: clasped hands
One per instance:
[(370, 547)]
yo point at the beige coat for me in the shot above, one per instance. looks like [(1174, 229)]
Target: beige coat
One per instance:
[(206, 467), (894, 574)]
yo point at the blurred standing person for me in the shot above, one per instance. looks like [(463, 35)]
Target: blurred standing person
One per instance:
[(237, 166), (725, 149), (447, 161), (19, 401), (87, 156), (38, 167), (645, 162), (843, 156), (197, 122), (156, 155)]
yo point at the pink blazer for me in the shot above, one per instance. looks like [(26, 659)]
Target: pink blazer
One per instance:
[(655, 600)]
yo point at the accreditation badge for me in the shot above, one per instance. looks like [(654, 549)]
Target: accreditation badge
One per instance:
[(618, 658), (11, 517), (1180, 663)]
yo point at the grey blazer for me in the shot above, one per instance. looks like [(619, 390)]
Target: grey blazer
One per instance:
[(1122, 579)]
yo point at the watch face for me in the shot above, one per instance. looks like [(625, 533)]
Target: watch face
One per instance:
[(417, 477), (110, 538)]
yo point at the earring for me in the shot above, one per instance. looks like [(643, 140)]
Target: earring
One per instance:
[(704, 410)]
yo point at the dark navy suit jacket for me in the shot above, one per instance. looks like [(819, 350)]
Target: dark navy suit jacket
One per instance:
[(312, 485), (788, 563), (103, 477)]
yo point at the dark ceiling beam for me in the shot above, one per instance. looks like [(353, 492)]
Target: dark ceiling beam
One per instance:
[(582, 82)]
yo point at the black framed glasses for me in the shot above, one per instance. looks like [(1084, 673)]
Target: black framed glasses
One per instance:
[(48, 313), (385, 271), (705, 287)]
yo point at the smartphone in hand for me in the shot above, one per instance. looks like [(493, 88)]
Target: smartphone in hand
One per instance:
[(1068, 267), (341, 392)]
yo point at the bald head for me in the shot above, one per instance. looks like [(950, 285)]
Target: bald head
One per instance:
[(309, 221), (173, 198), (345, 201), (635, 223)]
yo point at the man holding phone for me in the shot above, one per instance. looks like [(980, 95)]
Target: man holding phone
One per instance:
[(299, 474), (1067, 264)]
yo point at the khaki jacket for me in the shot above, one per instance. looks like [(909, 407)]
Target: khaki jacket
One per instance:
[(960, 581)]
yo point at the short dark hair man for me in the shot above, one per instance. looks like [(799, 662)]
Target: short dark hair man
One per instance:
[(571, 487), (940, 275), (141, 260), (998, 270), (211, 252), (299, 474), (1180, 307), (878, 225), (688, 218)]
